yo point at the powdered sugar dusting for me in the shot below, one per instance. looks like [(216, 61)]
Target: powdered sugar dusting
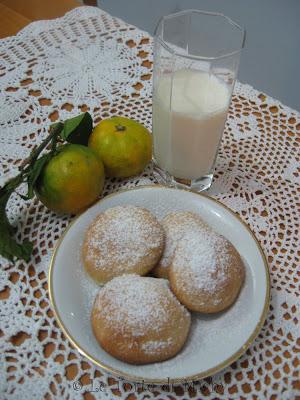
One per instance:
[(211, 329), (136, 304), (122, 235), (156, 346), (177, 225), (202, 256)]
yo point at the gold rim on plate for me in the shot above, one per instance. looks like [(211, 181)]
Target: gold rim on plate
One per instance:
[(185, 379)]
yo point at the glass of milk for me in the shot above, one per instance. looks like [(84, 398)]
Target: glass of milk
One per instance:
[(196, 58)]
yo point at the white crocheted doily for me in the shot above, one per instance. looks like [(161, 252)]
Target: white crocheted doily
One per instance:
[(88, 60)]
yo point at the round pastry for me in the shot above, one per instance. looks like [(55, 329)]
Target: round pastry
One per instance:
[(176, 225), (122, 239), (206, 272), (139, 320)]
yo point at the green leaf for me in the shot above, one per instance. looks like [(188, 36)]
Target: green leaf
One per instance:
[(9, 248), (55, 125), (36, 165), (35, 171), (10, 186), (3, 217), (74, 130), (30, 170), (78, 129)]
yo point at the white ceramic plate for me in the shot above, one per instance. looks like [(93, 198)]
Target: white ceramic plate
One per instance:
[(214, 342)]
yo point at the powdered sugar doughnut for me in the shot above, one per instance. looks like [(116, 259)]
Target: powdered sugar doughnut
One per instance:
[(207, 272), (176, 225), (122, 239), (139, 320)]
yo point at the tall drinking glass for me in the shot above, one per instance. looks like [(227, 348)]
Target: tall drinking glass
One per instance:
[(196, 58)]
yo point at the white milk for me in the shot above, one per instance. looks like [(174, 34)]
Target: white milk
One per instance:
[(186, 138)]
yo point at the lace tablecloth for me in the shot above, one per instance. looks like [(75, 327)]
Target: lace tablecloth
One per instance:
[(88, 60)]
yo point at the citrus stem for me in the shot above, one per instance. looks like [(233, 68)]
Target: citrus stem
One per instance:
[(54, 132), (120, 128)]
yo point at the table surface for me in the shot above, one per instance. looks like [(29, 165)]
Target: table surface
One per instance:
[(16, 14)]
